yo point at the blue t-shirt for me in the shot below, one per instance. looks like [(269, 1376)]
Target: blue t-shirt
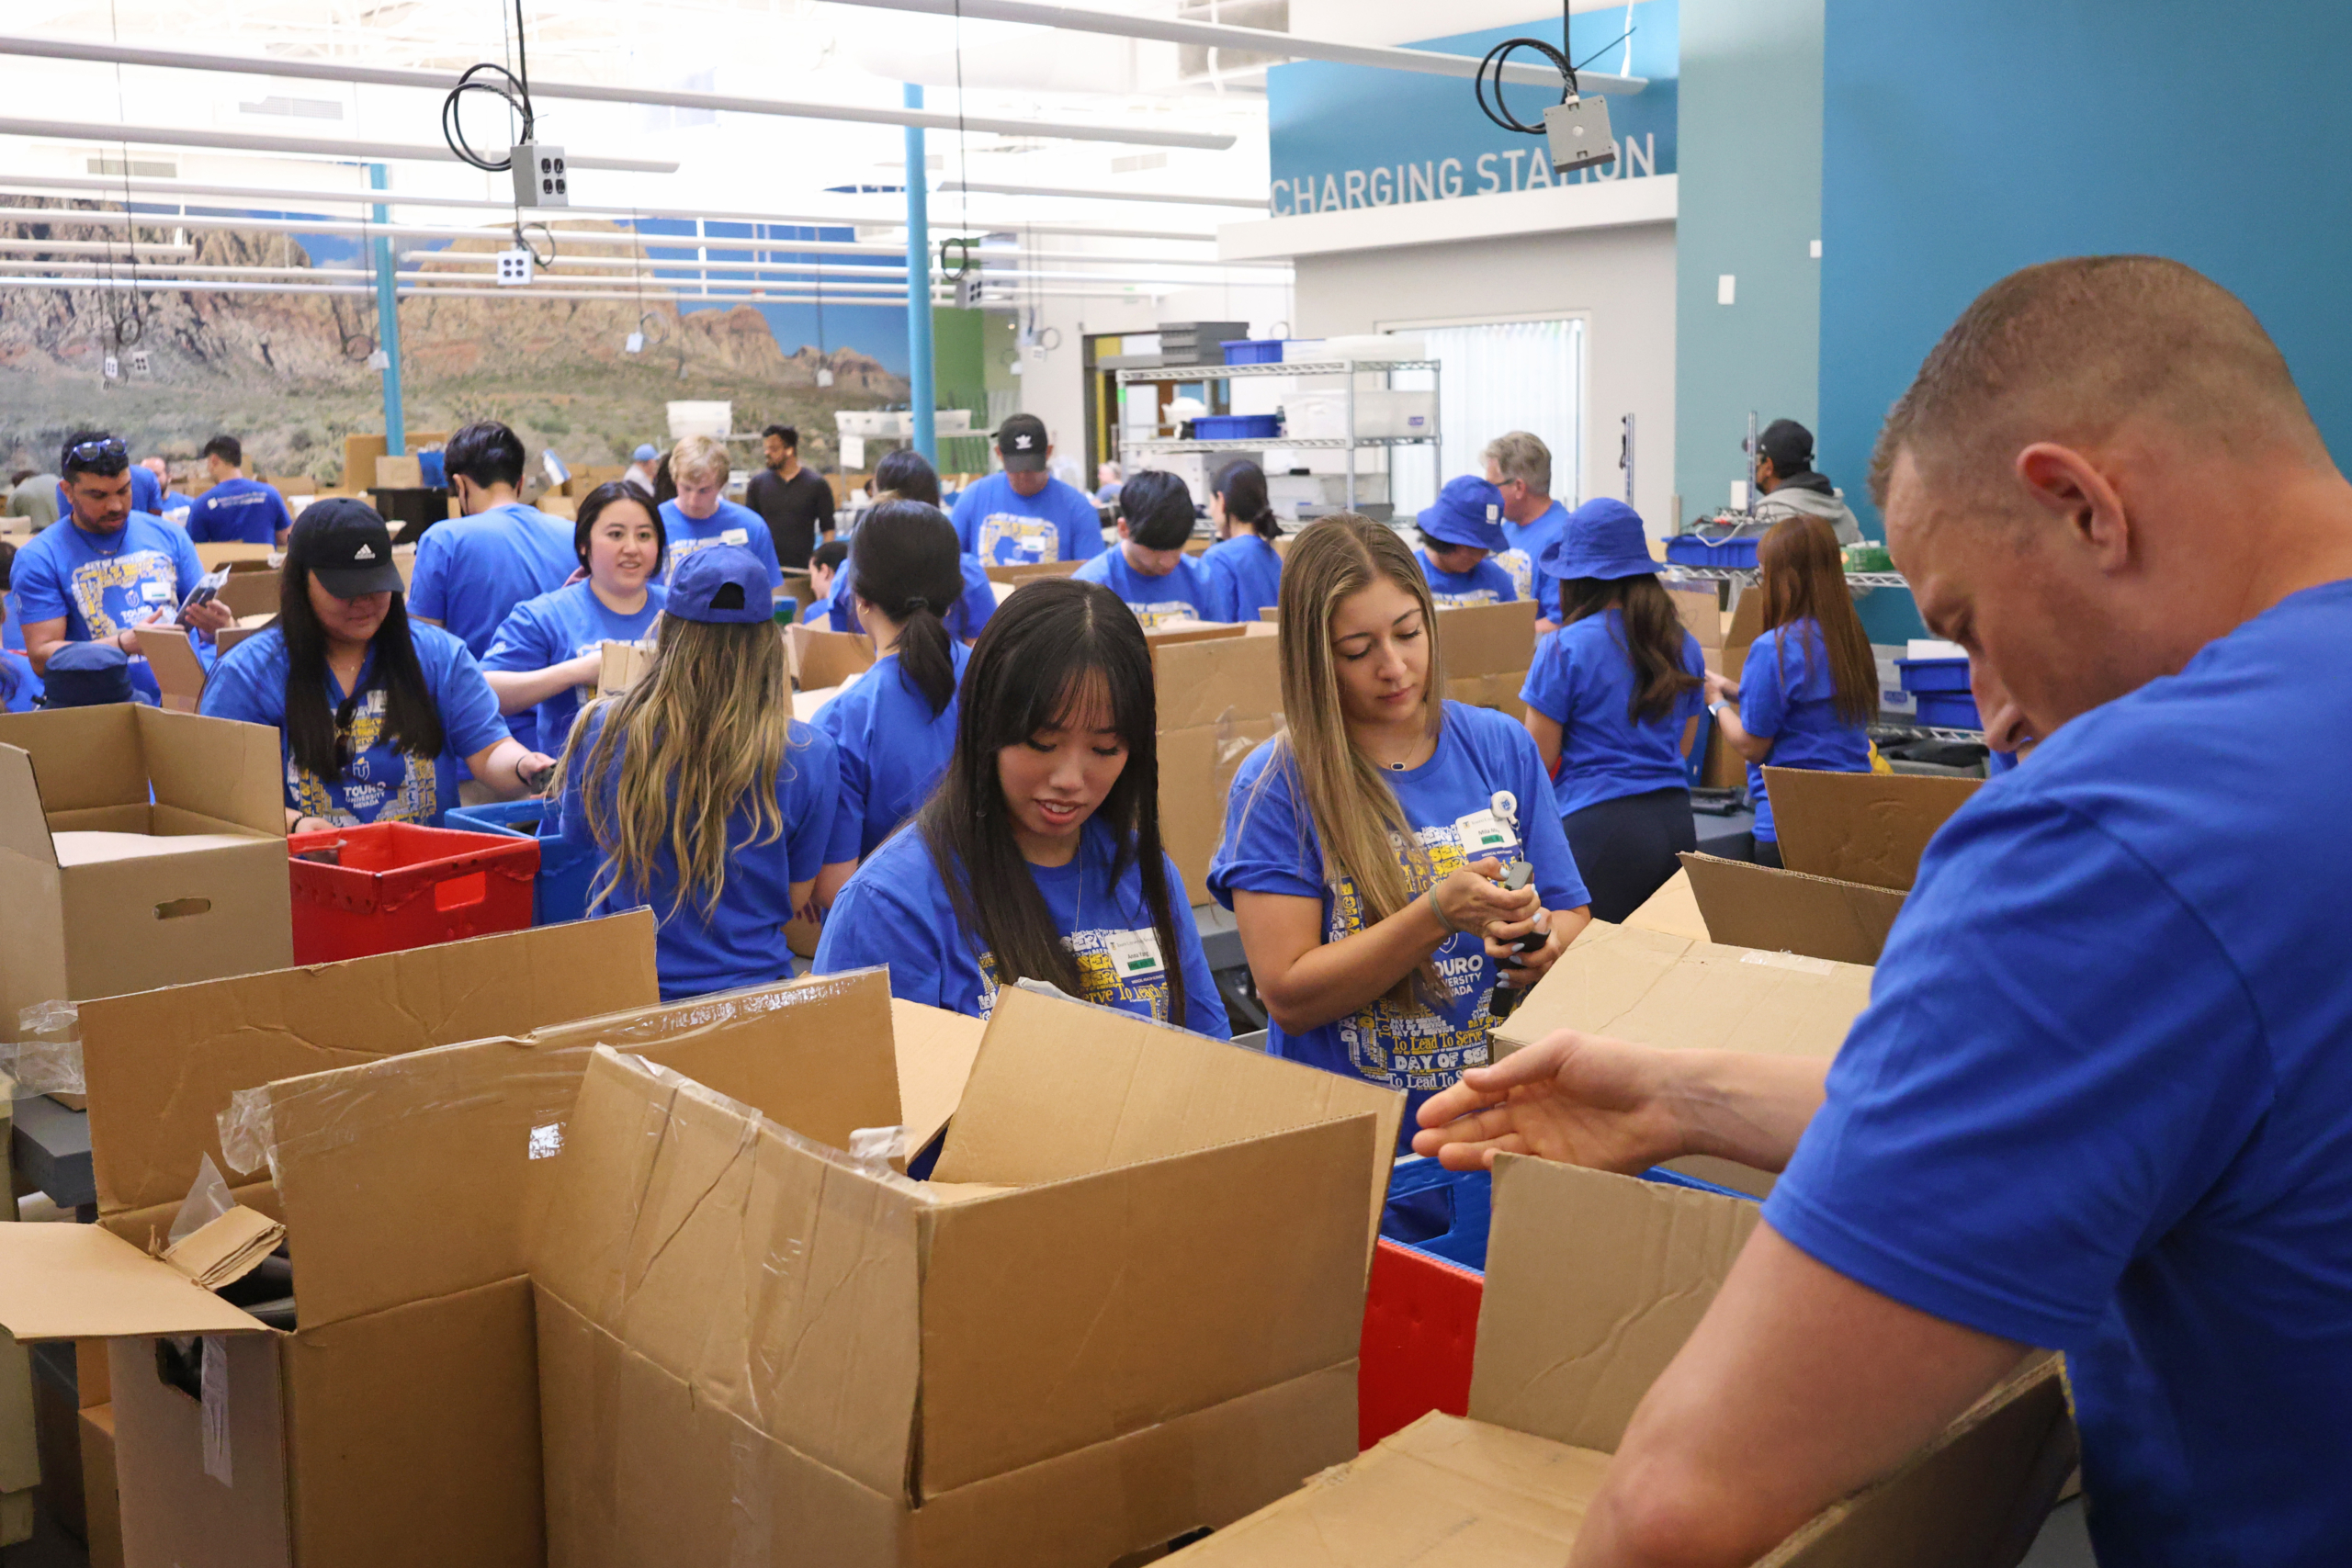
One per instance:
[(1524, 560), (382, 784), (1789, 700), (731, 523), (1241, 576), (1582, 680), (895, 910), (1004, 528), (1485, 583), (562, 626), (472, 571), (1481, 795), (146, 494), (739, 941), (1180, 596), (19, 683), (893, 748), (100, 584), (247, 511), (964, 619), (2102, 1097)]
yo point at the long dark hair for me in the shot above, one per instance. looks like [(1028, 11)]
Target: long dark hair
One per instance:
[(1649, 631), (1804, 579), (904, 561), (1035, 658), (318, 736), (592, 507), (906, 475), (1243, 485)]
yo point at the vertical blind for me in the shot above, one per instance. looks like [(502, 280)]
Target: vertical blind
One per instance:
[(1496, 377)]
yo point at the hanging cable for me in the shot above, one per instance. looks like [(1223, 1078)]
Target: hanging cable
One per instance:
[(511, 87), (1492, 66)]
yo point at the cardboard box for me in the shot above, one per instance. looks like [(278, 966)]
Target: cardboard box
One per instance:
[(1487, 650), (1220, 697), (101, 1491), (624, 664), (1673, 910), (1743, 905), (1020, 574), (137, 848), (1701, 606), (827, 659), (399, 473), (178, 671), (359, 454), (1571, 1335), (236, 552), (1190, 631), (1865, 827), (1114, 1315), (255, 592), (20, 1443)]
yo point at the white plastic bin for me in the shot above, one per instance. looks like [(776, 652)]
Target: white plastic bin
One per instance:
[(1320, 413)]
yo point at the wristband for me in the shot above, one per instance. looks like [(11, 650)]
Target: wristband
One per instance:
[(1450, 928)]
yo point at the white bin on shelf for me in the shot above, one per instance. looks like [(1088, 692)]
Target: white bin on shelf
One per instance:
[(1320, 413)]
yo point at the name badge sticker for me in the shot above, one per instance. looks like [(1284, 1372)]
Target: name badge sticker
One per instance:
[(1135, 956), (735, 536), (1483, 833)]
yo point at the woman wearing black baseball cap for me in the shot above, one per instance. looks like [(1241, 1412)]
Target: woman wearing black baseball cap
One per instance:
[(373, 710)]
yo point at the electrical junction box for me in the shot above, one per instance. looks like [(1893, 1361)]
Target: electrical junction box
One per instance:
[(539, 179), (1579, 132), (514, 267)]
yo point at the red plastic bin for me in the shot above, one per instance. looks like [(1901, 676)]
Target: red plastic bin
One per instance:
[(390, 886), (1421, 1334)]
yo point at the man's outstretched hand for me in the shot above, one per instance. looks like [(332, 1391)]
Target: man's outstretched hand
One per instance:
[(1578, 1098)]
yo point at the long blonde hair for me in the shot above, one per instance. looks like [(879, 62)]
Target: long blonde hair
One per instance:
[(706, 727), (1365, 838)]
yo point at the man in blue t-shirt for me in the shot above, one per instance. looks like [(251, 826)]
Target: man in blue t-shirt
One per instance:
[(1520, 467), (1023, 515), (2101, 1100), (146, 484), (236, 508), (1148, 571), (104, 568), (701, 516)]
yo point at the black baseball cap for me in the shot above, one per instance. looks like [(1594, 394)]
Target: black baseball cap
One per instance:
[(1020, 442), (1788, 444), (347, 546)]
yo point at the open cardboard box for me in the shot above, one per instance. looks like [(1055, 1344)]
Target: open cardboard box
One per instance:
[(1865, 827), (821, 660), (1030, 571), (137, 848), (1671, 991), (1487, 649), (179, 674), (1725, 653), (1218, 698), (1673, 910), (1744, 905), (1113, 1315), (236, 553), (1593, 1283)]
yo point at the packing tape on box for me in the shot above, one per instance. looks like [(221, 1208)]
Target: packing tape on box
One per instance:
[(46, 1055), (246, 1140), (752, 1498)]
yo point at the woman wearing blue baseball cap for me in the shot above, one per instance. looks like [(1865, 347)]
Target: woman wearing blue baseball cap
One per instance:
[(1459, 532), (1613, 701), (708, 800)]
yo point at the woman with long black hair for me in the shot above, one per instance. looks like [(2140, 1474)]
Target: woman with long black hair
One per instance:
[(1038, 856), (1242, 573), (375, 710)]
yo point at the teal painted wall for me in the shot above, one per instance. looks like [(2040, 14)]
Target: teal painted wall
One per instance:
[(1749, 147)]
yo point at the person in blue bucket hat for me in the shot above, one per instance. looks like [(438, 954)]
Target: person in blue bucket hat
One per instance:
[(1459, 532), (1613, 700)]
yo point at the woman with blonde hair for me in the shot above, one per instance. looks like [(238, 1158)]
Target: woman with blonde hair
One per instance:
[(1809, 691), (706, 799), (1365, 850)]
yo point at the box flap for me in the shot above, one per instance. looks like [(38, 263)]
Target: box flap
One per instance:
[(1443, 1493), (1866, 828), (221, 553), (828, 658), (1672, 910), (176, 668), (24, 828), (1204, 683), (1746, 622), (1656, 989), (1486, 639), (84, 757), (1073, 1313), (67, 1281), (1759, 906), (217, 768), (1593, 1283), (935, 1049), (1188, 631), (227, 1248), (1126, 1090), (161, 1066), (624, 665)]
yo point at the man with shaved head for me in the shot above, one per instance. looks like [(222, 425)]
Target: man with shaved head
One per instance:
[(2101, 1100)]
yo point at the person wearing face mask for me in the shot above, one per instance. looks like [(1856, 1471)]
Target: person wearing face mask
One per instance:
[(1460, 534), (1023, 515), (1149, 570), (550, 650), (1038, 856), (1242, 573), (375, 709), (1363, 850), (699, 517)]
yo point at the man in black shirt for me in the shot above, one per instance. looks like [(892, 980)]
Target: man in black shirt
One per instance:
[(796, 504)]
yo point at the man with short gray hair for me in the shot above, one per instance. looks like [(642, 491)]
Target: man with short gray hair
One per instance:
[(1520, 465)]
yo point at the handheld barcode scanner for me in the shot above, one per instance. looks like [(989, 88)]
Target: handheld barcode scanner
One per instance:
[(1507, 997)]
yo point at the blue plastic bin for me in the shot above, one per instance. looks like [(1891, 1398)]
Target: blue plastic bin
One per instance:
[(1252, 350), (1944, 710), (1688, 550), (1238, 427), (561, 893), (433, 469), (1447, 1214), (1934, 675)]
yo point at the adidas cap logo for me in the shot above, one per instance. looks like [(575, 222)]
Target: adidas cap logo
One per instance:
[(1022, 442), (365, 552)]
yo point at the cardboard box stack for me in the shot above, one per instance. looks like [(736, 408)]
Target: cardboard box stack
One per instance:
[(1571, 1335), (1487, 649), (1724, 638)]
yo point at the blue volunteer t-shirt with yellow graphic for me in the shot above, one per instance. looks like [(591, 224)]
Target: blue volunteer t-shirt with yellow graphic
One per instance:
[(730, 524), (101, 584), (1003, 527), (1485, 583), (1180, 596), (897, 912), (382, 784), (1481, 795)]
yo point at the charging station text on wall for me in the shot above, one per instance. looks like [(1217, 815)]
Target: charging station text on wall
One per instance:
[(1443, 179)]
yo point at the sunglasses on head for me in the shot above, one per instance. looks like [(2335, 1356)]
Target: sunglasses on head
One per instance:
[(98, 451)]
